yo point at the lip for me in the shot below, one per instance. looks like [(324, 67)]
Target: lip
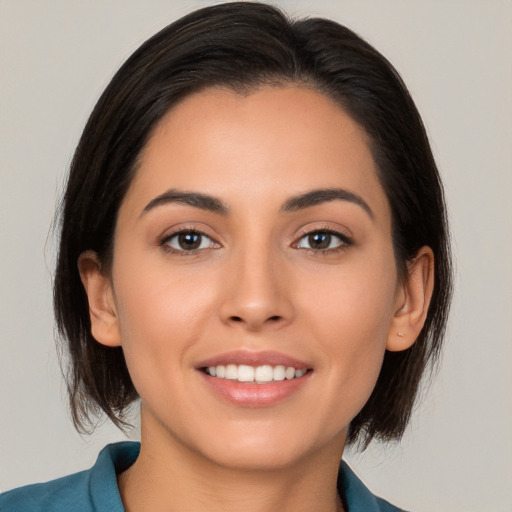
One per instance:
[(250, 358), (254, 395)]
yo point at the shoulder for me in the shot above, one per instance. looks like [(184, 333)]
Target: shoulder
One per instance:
[(66, 493), (358, 497), (86, 491)]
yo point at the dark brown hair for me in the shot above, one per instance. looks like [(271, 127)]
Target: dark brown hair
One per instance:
[(241, 46)]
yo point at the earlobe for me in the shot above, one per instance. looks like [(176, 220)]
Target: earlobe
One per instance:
[(102, 310), (413, 301)]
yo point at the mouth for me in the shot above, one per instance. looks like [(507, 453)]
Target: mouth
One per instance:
[(262, 374), (251, 379)]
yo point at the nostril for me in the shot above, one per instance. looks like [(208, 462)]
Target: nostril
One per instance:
[(274, 318)]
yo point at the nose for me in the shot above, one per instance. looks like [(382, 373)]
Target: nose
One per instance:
[(257, 292)]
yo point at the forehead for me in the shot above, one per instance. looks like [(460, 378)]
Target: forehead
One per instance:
[(272, 142)]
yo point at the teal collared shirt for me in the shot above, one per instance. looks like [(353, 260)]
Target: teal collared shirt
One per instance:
[(95, 490)]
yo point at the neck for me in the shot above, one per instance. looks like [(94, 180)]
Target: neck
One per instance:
[(169, 476)]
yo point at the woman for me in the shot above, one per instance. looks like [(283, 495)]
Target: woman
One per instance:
[(254, 244)]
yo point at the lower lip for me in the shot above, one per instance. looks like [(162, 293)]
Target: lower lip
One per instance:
[(252, 394)]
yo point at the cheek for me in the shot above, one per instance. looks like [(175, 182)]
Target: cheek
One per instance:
[(350, 317), (353, 302), (153, 295), (161, 314)]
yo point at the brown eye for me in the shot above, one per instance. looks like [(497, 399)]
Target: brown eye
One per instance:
[(323, 241), (319, 240), (189, 241)]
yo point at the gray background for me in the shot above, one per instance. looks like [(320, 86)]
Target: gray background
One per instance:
[(455, 56)]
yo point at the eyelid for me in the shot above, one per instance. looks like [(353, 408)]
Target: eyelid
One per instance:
[(164, 241), (345, 238)]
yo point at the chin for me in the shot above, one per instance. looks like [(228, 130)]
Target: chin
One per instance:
[(264, 459), (255, 451)]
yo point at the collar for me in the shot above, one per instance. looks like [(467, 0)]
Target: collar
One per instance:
[(116, 458)]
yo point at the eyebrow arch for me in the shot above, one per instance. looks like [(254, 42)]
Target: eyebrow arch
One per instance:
[(195, 199), (324, 195)]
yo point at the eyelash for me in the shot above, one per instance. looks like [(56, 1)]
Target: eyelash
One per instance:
[(183, 252), (345, 242)]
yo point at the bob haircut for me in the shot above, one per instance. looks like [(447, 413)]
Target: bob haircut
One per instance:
[(241, 46)]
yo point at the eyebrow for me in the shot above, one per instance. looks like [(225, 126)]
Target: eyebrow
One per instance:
[(325, 195), (295, 203), (195, 199)]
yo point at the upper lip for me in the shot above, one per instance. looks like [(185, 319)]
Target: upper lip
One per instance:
[(250, 358)]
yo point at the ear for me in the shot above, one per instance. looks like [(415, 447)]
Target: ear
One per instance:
[(102, 310), (413, 300)]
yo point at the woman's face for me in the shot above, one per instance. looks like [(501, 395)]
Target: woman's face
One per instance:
[(254, 244)]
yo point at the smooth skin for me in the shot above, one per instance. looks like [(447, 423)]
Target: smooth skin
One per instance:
[(252, 271)]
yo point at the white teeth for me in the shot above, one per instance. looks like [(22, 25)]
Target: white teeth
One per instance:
[(279, 372), (259, 374), (264, 374), (245, 373), (231, 372)]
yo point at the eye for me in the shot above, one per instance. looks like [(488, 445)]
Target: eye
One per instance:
[(323, 241), (188, 241)]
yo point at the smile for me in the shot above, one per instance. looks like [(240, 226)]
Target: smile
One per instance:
[(254, 379), (262, 374)]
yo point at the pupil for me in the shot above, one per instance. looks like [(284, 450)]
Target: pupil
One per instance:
[(320, 240), (189, 241)]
